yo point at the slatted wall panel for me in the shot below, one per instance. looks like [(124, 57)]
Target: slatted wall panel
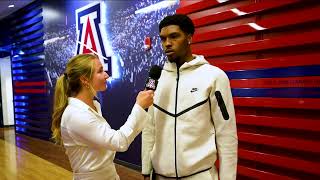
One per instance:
[(270, 51), (31, 110)]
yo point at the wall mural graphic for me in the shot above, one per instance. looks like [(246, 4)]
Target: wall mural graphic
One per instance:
[(117, 32)]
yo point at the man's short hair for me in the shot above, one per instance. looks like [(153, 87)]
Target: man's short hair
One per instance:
[(181, 20)]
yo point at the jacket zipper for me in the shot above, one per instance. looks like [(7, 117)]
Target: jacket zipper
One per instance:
[(175, 125)]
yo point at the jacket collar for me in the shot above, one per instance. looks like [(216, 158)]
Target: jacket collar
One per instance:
[(197, 61), (81, 105)]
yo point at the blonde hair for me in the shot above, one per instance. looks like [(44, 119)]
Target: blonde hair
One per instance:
[(68, 85)]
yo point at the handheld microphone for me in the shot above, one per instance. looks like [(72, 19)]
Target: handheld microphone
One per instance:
[(154, 75)]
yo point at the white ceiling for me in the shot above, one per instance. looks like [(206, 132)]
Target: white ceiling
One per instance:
[(5, 10)]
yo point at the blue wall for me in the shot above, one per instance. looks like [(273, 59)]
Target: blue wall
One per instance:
[(23, 41)]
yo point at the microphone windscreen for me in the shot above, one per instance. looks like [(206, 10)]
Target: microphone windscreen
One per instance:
[(155, 72), (154, 75)]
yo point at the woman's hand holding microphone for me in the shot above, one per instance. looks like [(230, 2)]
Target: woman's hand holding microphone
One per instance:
[(145, 98)]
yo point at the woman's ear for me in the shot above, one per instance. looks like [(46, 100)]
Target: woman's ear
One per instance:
[(84, 81)]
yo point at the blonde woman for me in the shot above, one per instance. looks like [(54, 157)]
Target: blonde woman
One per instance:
[(78, 124)]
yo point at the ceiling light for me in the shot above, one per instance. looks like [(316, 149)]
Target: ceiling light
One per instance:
[(11, 6)]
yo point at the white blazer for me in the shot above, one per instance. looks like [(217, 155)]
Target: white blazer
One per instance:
[(91, 143)]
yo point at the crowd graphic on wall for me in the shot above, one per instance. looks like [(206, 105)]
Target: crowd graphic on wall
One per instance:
[(128, 40), (59, 47), (126, 30)]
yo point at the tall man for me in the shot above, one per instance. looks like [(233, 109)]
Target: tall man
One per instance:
[(193, 114)]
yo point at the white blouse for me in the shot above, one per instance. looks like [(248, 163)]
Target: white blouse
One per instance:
[(91, 143)]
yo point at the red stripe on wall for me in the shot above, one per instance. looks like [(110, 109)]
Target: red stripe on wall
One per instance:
[(277, 136), (292, 103), (280, 161), (283, 142), (258, 174), (280, 122), (281, 20), (187, 6), (39, 83), (308, 81), (286, 61), (306, 38), (32, 91), (211, 17)]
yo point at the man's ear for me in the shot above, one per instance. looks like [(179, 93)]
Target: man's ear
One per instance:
[(189, 37)]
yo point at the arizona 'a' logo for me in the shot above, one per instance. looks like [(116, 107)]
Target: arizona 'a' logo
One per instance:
[(88, 22)]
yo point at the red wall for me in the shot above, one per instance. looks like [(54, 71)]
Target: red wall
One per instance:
[(274, 68)]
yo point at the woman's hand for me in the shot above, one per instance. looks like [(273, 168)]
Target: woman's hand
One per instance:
[(145, 98)]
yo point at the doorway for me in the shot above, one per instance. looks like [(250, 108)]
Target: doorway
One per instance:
[(6, 98)]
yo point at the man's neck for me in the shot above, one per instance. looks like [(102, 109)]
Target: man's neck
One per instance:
[(181, 61)]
